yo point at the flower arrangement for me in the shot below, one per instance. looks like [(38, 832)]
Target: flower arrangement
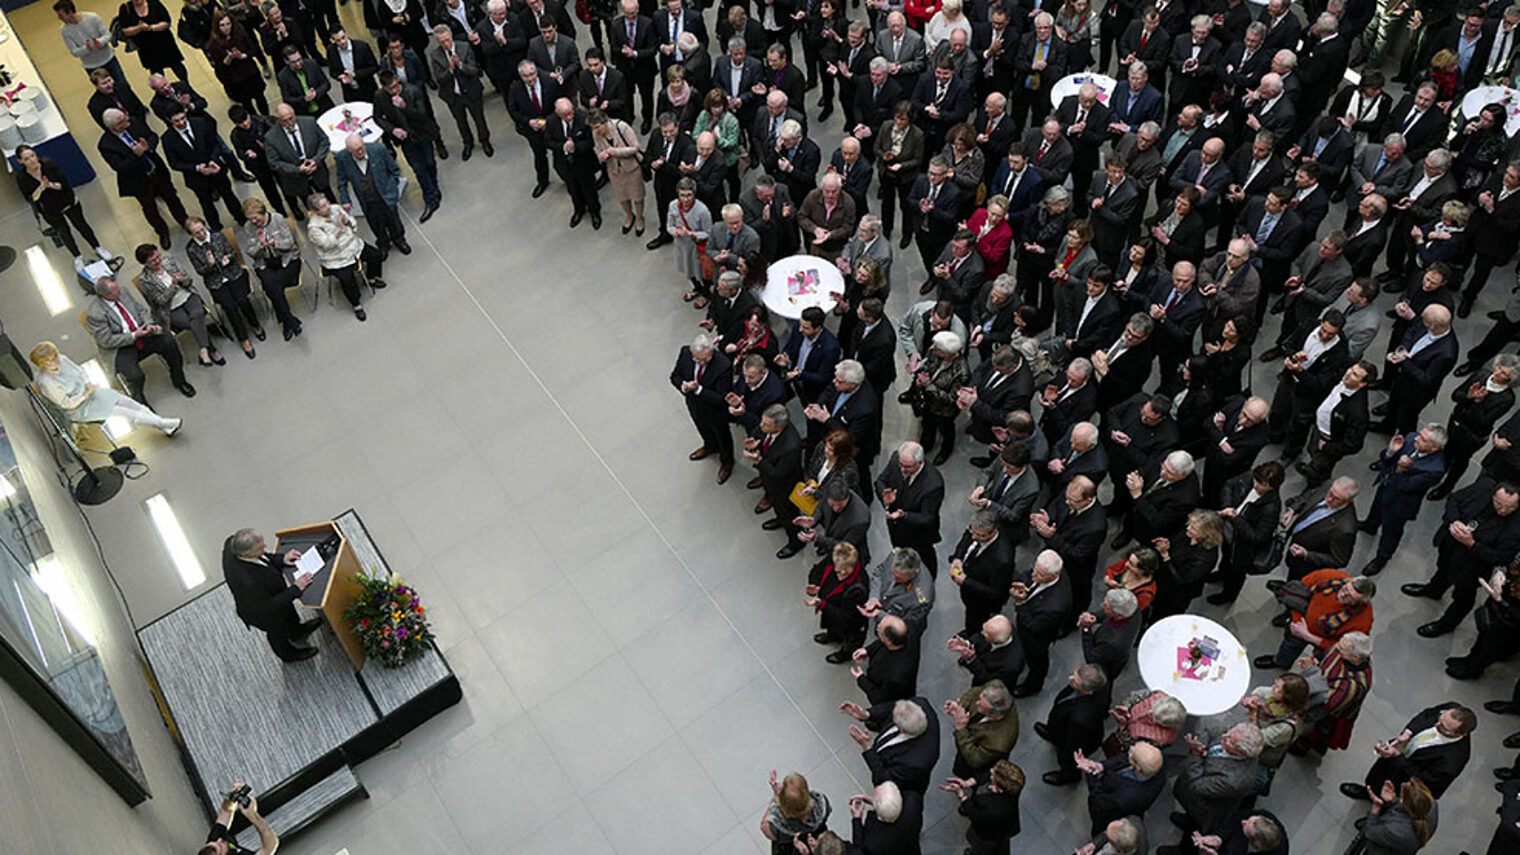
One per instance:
[(389, 620)]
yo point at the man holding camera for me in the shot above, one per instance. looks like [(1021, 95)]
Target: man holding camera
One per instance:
[(257, 582), (221, 841)]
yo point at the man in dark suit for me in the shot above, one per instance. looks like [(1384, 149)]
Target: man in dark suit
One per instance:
[(1077, 455), (1048, 152), (905, 747), (850, 404), (1205, 169), (780, 75), (1114, 201), (1273, 231), (1479, 405), (192, 148), (876, 97), (794, 159), (854, 173), (633, 45), (1283, 28), (1420, 120), (1084, 121), (530, 103), (1430, 186), (109, 96), (1181, 137), (1245, 62), (841, 517), (873, 344), (458, 78), (750, 31), (760, 387), (353, 64), (1176, 307), (1269, 108), (1322, 63), (1042, 607), (956, 272), (1137, 434), (256, 580), (1073, 526), (303, 83), (940, 100), (886, 669), (602, 87), (981, 565), (666, 153), (1074, 401), (298, 151), (999, 385), (1135, 104), (704, 377), (1321, 529), (1091, 324), (995, 135), (503, 43), (1329, 144), (1367, 237), (670, 22), (401, 112), (1038, 63), (1237, 433), (1341, 421), (1494, 229), (1416, 368), (1147, 40), (1075, 722), (555, 55), (1434, 747), (808, 359), (935, 202), (1194, 64), (1124, 364), (533, 11), (462, 17), (992, 654), (1407, 468), (994, 42), (1123, 785), (911, 491), (1008, 487), (1160, 499), (776, 450), (127, 146), (569, 137), (1478, 532), (735, 75)]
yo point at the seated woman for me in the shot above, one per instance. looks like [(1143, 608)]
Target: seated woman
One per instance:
[(340, 249), (268, 242), (64, 383), (171, 296), (1145, 716), (215, 259)]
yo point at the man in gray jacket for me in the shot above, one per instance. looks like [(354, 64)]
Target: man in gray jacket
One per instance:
[(1219, 772), (125, 333)]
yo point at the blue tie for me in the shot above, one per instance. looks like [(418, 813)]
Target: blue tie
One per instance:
[(1268, 223)]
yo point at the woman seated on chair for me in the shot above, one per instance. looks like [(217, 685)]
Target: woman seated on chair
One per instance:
[(271, 246), (170, 294), (340, 249), (215, 258), (64, 383)]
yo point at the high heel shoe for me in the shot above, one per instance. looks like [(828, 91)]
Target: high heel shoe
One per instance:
[(258, 334), (639, 232), (250, 352), (627, 227)]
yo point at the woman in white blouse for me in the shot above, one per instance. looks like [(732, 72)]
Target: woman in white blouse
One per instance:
[(340, 249), (63, 382)]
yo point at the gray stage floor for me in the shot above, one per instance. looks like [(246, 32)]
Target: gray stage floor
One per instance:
[(633, 658)]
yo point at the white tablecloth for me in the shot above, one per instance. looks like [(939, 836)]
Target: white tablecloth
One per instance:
[(798, 281), (1213, 685), (1068, 86), (1478, 98), (337, 126)]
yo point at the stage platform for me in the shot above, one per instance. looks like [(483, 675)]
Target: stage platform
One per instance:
[(293, 732)]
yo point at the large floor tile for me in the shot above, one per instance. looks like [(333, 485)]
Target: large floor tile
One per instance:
[(601, 723)]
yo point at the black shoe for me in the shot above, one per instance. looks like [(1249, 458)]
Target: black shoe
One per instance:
[(596, 221), (1220, 599), (603, 181), (1504, 773), (1024, 690), (827, 112), (251, 352), (469, 149), (359, 313), (1434, 629), (1380, 410), (538, 190), (824, 637), (485, 146), (788, 551), (427, 213), (771, 524), (1360, 824), (659, 241), (1061, 778), (644, 128), (1374, 567), (907, 239), (1275, 585), (1466, 368), (939, 459), (1418, 589), (575, 220), (301, 654), (1512, 741), (1496, 315), (306, 629), (1501, 707), (1042, 730), (185, 389), (403, 247), (441, 150), (377, 284), (1281, 621), (1463, 671), (1355, 791), (980, 462), (1440, 492), (1181, 820), (1270, 355), (1464, 308), (289, 333), (838, 657), (385, 254), (1266, 662), (164, 242)]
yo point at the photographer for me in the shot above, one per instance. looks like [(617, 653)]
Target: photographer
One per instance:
[(220, 840)]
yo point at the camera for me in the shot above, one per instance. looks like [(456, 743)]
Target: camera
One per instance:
[(240, 795)]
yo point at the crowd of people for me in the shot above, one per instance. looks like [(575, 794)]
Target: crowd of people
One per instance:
[(1096, 273)]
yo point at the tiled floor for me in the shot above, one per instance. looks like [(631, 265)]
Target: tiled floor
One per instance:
[(634, 660)]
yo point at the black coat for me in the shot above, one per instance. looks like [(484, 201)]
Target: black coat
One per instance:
[(1079, 406), (132, 170), (890, 675), (780, 466), (1328, 542), (910, 763), (1115, 795), (1005, 663), (260, 593), (860, 415), (994, 403), (184, 157), (871, 836), (920, 503), (1163, 507), (1147, 443), (365, 69), (1250, 532), (988, 574), (1437, 765), (1077, 539), (1076, 720)]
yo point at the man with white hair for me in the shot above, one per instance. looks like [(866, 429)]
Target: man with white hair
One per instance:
[(1194, 61), (898, 589), (902, 48), (530, 103), (1410, 465), (1237, 433), (1084, 121), (905, 746), (1134, 105), (1038, 63), (1220, 771), (826, 217), (1161, 499), (1267, 109), (854, 170), (1123, 785), (890, 820), (1074, 401), (1416, 368), (793, 160), (1109, 635), (911, 491), (1382, 171), (1322, 63), (568, 137), (704, 377), (1419, 202), (503, 44), (848, 404), (128, 147), (736, 241), (1230, 286), (458, 78), (1042, 609), (995, 133), (867, 242), (372, 174), (1121, 836)]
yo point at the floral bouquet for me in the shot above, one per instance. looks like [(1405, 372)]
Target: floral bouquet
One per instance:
[(389, 620)]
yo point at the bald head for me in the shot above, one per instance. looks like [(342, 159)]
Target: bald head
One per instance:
[(1213, 150), (1084, 435), (355, 145), (1146, 758), (997, 630), (1437, 318), (564, 109)]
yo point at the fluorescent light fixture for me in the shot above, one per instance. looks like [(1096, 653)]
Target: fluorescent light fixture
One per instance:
[(54, 295), (175, 543), (115, 427)]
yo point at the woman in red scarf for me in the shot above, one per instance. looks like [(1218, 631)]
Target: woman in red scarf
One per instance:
[(836, 588)]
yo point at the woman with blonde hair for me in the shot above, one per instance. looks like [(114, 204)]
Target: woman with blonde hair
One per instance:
[(1402, 820), (679, 99), (63, 382), (1185, 562), (836, 589), (340, 250), (795, 811), (269, 243)]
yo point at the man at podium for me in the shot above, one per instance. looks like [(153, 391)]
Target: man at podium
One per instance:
[(262, 595)]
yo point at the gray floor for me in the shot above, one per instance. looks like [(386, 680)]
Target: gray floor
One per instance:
[(634, 660)]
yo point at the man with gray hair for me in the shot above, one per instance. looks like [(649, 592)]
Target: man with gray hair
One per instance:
[(849, 404), (905, 745), (867, 242), (981, 565), (986, 725), (1136, 104), (1123, 785), (1039, 62), (1075, 722), (1161, 499), (934, 208), (458, 78), (726, 248), (776, 451), (256, 580), (129, 148), (1383, 171), (898, 589), (1042, 608), (1194, 60), (125, 334), (1219, 772), (1109, 635), (1409, 467), (794, 159), (1430, 187), (704, 377), (1121, 836), (826, 217), (912, 490), (1479, 406)]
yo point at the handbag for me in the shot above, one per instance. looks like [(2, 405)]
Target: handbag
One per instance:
[(805, 503), (644, 171), (116, 26), (704, 261), (1267, 560)]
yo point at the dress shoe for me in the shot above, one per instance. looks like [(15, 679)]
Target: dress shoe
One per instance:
[(385, 254), (762, 506), (754, 484), (1355, 791), (1440, 492), (1219, 599), (838, 657), (942, 457), (485, 146), (1360, 824), (164, 242), (698, 454), (403, 247), (185, 389), (1499, 787), (251, 353), (1501, 707), (427, 213), (468, 150), (306, 629), (980, 462), (377, 284), (1061, 778), (1512, 741), (788, 551), (1181, 820), (1434, 629), (1282, 620), (1374, 567), (602, 181), (1465, 369), (302, 654), (1270, 355), (1024, 690), (1418, 589), (907, 238), (538, 190), (824, 637), (1496, 315), (289, 333), (1276, 585), (1464, 308), (724, 472), (440, 150), (771, 525), (827, 112), (359, 313), (644, 128), (1266, 662), (1463, 671), (596, 221), (1380, 410), (575, 220), (658, 241), (1042, 730)]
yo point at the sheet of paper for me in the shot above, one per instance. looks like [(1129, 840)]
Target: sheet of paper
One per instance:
[(309, 562)]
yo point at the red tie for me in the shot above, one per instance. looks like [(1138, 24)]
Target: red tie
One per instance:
[(131, 324), (698, 378), (1144, 36), (1039, 155), (533, 93), (766, 446)]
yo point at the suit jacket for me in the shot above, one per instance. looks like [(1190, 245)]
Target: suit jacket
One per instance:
[(920, 503), (163, 106), (1094, 131), (1245, 442), (584, 155), (1154, 53), (500, 58), (953, 108), (1348, 425), (467, 76), (1146, 107), (614, 92), (1493, 235), (857, 182), (911, 58), (805, 158), (1046, 613), (1175, 330), (722, 80), (1003, 136), (259, 591), (874, 108), (1056, 162), (987, 664), (1080, 405), (708, 399), (780, 466), (860, 415), (1209, 788), (770, 391), (1401, 493), (1128, 371), (1363, 248), (1236, 295), (1215, 182), (106, 327), (563, 57), (414, 118), (1027, 194), (989, 572), (1147, 443), (132, 170), (1163, 507), (382, 170), (1108, 642), (1243, 74), (1115, 794), (365, 69), (184, 157), (1111, 220), (691, 22), (1055, 66), (1077, 538), (890, 675), (1328, 541), (121, 98), (286, 161), (294, 94), (818, 372), (851, 525), (876, 351), (908, 763), (1419, 378), (1390, 182), (1076, 720), (1280, 247), (1011, 502), (1428, 132), (1092, 463), (1437, 765), (870, 835), (1336, 156), (1099, 329), (1193, 87), (645, 44), (1322, 63), (984, 741), (840, 224)]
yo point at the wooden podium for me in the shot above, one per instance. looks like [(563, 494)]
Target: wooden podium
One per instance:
[(334, 587)]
